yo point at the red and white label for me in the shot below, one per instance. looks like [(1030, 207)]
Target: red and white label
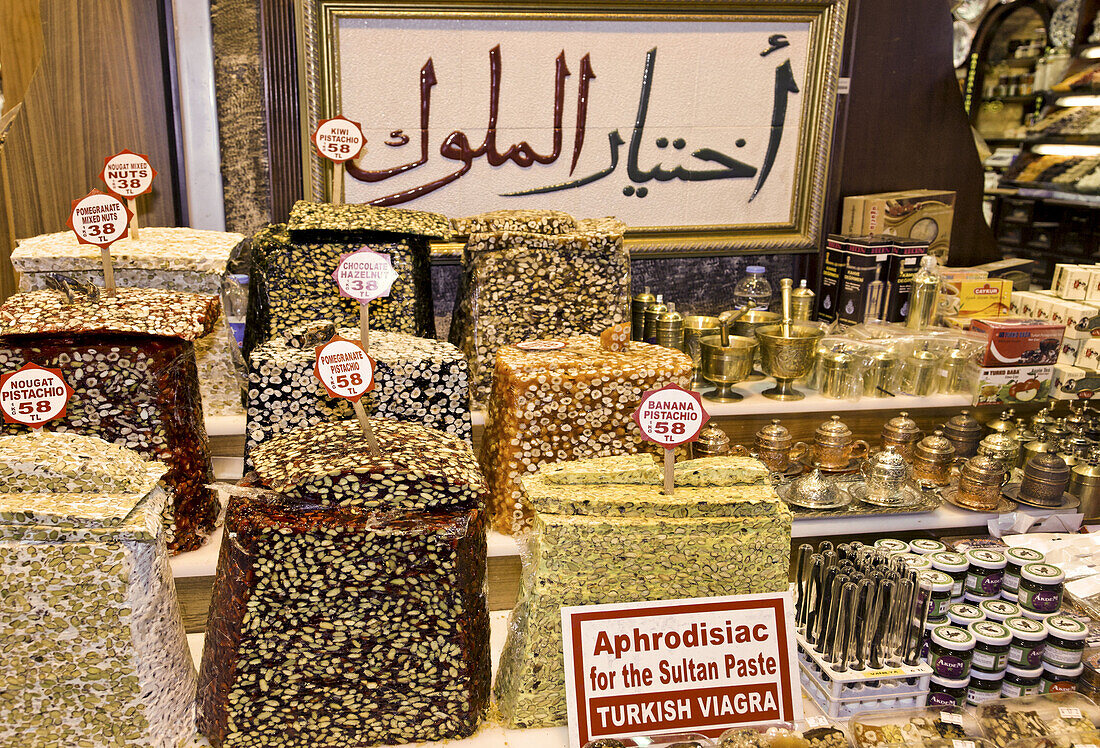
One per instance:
[(671, 416), (541, 345), (128, 174), (344, 368), (99, 219), (338, 139), (33, 395), (365, 275), (702, 665)]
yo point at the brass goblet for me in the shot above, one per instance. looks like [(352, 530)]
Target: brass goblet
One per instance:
[(787, 354)]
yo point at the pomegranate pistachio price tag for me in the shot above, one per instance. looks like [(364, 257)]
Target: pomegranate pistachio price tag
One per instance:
[(128, 174), (365, 275), (345, 369), (99, 219), (671, 416), (33, 395), (338, 139)]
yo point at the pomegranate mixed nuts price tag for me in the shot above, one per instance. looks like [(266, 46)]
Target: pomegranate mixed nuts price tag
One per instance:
[(671, 416), (365, 275), (338, 139), (99, 219), (128, 174), (345, 369), (33, 395)]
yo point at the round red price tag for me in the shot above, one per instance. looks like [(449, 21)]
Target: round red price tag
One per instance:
[(338, 139), (671, 416), (128, 174), (99, 219), (365, 275), (540, 345), (344, 368), (33, 395)]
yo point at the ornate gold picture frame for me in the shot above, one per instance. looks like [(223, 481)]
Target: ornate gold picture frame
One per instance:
[(705, 125)]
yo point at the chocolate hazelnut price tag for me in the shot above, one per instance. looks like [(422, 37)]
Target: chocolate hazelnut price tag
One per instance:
[(128, 174), (33, 395), (365, 275), (101, 219), (670, 416), (346, 371)]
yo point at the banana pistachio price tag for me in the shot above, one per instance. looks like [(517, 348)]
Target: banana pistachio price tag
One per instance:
[(33, 395), (671, 416)]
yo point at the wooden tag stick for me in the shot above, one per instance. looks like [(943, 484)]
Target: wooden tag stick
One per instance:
[(337, 183), (364, 325), (108, 270), (368, 433), (670, 471), (131, 203)]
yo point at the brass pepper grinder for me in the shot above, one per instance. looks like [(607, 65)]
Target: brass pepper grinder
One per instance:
[(1023, 436), (923, 295), (670, 329), (712, 442), (1004, 424), (802, 302), (1084, 483), (1041, 444), (652, 312), (638, 305), (1044, 418)]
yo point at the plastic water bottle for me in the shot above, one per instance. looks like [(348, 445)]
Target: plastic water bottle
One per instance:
[(753, 291)]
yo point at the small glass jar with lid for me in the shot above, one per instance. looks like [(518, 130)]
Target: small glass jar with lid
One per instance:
[(1020, 682), (953, 565), (983, 579), (926, 546), (1040, 588), (991, 643), (1017, 558), (940, 598), (964, 614), (999, 610), (950, 651), (1065, 642), (892, 545), (984, 687), (915, 561), (1057, 679), (947, 691), (1028, 641)]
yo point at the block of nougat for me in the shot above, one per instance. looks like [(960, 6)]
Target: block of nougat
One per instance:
[(570, 402), (722, 532), (346, 616), (94, 647), (292, 283), (419, 380), (533, 274), (172, 259), (130, 360)]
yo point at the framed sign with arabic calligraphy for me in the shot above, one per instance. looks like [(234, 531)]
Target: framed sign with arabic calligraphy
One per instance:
[(705, 125)]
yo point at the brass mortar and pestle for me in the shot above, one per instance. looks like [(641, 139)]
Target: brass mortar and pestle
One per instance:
[(787, 350), (727, 359)]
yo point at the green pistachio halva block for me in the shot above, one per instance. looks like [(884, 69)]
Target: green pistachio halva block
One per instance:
[(94, 648), (723, 531), (172, 259)]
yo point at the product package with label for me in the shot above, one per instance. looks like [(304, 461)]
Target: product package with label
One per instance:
[(565, 399), (130, 360), (533, 274), (94, 644), (418, 380), (1019, 341), (171, 259), (293, 265), (349, 605), (604, 531)]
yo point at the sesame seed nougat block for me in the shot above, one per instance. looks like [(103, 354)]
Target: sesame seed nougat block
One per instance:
[(532, 274), (172, 259), (130, 359), (94, 647), (723, 531), (572, 402), (418, 380), (349, 605), (292, 281)]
